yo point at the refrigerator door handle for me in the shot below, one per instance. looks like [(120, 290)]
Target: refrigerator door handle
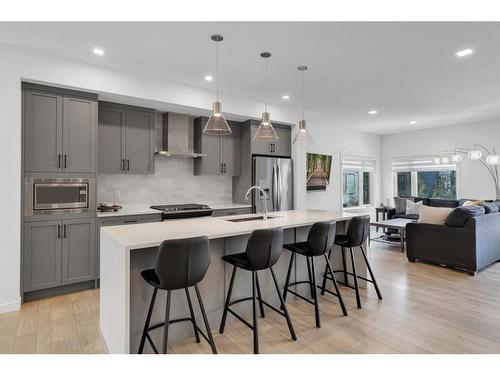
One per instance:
[(274, 187), (278, 180)]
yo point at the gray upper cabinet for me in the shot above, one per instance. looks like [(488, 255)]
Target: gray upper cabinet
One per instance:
[(126, 139), (42, 255), (223, 156), (281, 147), (78, 250), (59, 131), (43, 131), (79, 135), (111, 141)]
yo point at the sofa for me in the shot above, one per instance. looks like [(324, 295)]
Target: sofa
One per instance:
[(470, 248)]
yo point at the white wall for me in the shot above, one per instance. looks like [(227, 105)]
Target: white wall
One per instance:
[(17, 64), (473, 179)]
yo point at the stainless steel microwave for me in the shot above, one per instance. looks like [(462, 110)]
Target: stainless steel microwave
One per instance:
[(59, 195)]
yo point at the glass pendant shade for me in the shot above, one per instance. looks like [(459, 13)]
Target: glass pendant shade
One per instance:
[(493, 159), (475, 155), (456, 158), (301, 136), (265, 131), (217, 124)]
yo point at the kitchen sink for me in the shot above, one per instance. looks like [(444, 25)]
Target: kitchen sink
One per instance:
[(252, 218)]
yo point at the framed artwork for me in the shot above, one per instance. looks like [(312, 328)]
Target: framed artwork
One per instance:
[(318, 171)]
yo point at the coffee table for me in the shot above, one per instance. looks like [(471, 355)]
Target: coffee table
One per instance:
[(399, 224)]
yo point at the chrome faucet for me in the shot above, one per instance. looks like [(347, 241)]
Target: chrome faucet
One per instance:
[(264, 195)]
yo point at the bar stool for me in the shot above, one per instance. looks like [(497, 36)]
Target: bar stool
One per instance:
[(319, 241), (262, 252), (180, 264), (357, 233)]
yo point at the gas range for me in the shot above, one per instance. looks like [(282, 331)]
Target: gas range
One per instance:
[(180, 211)]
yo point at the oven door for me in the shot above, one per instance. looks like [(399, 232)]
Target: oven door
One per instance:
[(60, 195)]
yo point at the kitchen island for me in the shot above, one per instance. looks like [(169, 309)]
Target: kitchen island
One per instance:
[(127, 250)]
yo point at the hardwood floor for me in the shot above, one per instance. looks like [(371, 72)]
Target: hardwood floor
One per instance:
[(426, 309)]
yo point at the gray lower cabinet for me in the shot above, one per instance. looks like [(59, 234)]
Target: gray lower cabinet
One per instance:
[(42, 255), (126, 139), (222, 151), (58, 253), (78, 250), (281, 147), (60, 131)]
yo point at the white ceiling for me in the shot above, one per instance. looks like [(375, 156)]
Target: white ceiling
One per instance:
[(406, 70)]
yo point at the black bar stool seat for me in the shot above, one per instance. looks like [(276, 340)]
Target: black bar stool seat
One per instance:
[(357, 233), (180, 264), (319, 242), (262, 252)]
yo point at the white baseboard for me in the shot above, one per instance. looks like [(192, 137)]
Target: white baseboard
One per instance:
[(10, 306)]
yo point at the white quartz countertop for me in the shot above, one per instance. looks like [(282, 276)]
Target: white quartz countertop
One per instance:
[(152, 234), (144, 209)]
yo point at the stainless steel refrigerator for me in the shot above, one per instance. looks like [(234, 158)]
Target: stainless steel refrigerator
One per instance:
[(275, 176)]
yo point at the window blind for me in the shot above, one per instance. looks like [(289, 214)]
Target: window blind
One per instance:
[(419, 163)]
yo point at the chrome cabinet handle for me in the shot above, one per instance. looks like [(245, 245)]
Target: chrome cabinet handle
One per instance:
[(58, 231), (128, 164), (58, 160), (64, 230), (65, 160)]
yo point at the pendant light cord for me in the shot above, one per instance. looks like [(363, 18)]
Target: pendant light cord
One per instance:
[(265, 83), (217, 67), (303, 94)]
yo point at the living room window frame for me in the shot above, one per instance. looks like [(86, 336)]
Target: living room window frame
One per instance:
[(414, 176), (372, 178)]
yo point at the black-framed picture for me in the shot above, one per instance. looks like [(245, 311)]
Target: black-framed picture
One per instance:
[(318, 171)]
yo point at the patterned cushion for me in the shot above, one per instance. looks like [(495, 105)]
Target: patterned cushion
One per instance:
[(400, 204), (413, 208)]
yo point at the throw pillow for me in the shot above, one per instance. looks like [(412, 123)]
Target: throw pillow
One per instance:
[(459, 216), (472, 203), (434, 215), (400, 205), (490, 207), (413, 208)]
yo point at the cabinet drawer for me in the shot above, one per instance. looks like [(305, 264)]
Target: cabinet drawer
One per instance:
[(127, 220), (233, 211)]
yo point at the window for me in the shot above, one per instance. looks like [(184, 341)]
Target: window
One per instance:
[(404, 184), (437, 184), (420, 177), (357, 186), (351, 189)]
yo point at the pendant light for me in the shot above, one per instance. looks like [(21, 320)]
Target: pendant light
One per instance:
[(217, 124), (265, 131), (301, 136)]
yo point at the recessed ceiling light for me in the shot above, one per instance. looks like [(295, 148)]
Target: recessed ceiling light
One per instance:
[(464, 52), (373, 112), (209, 78), (285, 97), (413, 122), (98, 51)]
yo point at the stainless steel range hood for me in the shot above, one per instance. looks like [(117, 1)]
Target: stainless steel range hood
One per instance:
[(174, 135)]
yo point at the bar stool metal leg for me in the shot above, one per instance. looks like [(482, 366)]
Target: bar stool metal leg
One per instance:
[(193, 319), (310, 276), (288, 274), (148, 319), (325, 274), (255, 317), (285, 310), (344, 266), (167, 318), (259, 294), (315, 294), (372, 276), (355, 276), (205, 320), (336, 285), (228, 301)]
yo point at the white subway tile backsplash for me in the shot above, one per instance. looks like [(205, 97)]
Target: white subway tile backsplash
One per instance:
[(173, 182)]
